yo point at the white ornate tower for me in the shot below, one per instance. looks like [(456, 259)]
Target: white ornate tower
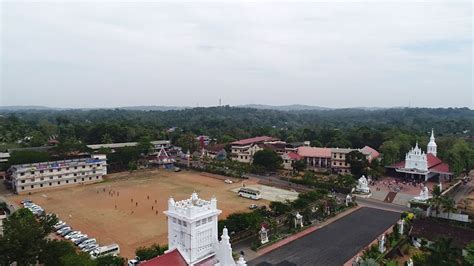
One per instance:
[(416, 159), (192, 227), (432, 144)]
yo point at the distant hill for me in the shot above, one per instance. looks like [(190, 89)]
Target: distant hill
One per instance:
[(293, 107), (152, 108), (26, 107)]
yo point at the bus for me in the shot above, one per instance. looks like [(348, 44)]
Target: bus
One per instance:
[(113, 250), (249, 193)]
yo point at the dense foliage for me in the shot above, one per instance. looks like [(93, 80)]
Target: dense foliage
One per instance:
[(391, 131)]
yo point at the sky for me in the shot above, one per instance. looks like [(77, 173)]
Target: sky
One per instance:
[(339, 54)]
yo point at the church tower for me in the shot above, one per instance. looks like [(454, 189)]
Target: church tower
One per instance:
[(192, 227), (432, 144)]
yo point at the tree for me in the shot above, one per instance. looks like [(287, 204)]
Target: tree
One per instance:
[(109, 260), (469, 258), (448, 205), (461, 157), (443, 253), (144, 145), (390, 152), (268, 159), (279, 208), (146, 253), (24, 236), (54, 250), (358, 163), (28, 156), (187, 142), (81, 259), (299, 165)]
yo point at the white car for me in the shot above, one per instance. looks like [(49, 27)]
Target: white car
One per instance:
[(228, 181), (73, 234), (60, 231), (90, 247), (87, 242)]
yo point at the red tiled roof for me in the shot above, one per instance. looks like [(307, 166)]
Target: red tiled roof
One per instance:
[(369, 150), (305, 151), (440, 168), (432, 160), (171, 258), (253, 140), (294, 156)]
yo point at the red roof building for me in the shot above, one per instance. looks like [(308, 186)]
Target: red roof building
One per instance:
[(316, 158), (249, 141), (173, 258)]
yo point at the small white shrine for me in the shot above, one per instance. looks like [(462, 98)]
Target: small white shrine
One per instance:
[(424, 195), (298, 220), (362, 186), (263, 235)]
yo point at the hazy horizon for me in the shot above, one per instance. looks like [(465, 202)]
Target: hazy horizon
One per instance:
[(336, 55)]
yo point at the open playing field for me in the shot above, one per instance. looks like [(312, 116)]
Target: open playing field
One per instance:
[(119, 211)]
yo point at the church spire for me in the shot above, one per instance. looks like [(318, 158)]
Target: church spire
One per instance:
[(432, 147)]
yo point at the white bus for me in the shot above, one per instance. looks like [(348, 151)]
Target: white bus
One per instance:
[(113, 249), (249, 193)]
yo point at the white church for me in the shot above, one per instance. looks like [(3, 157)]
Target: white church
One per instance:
[(192, 236), (422, 166)]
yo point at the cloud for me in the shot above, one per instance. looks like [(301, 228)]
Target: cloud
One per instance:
[(331, 54)]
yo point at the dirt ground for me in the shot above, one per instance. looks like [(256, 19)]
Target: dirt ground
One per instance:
[(128, 208)]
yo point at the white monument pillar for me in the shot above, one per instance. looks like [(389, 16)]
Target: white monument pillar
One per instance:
[(401, 225), (263, 235), (224, 251), (382, 244)]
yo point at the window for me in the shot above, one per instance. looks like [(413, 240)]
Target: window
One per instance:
[(185, 224), (90, 177), (340, 163), (83, 179), (75, 181), (22, 181), (203, 221), (179, 222), (67, 168), (41, 185), (93, 172), (50, 170), (67, 181), (41, 171), (209, 219), (59, 176), (32, 172), (32, 186), (50, 184), (96, 177), (42, 178), (59, 182), (174, 220), (83, 166), (98, 165), (22, 188), (75, 174), (50, 177), (75, 167), (198, 223), (22, 174)]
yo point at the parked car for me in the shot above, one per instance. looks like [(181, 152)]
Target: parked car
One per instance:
[(60, 231), (59, 225), (253, 206), (228, 181), (177, 169), (26, 201), (78, 241), (72, 234), (90, 247), (87, 242), (65, 232)]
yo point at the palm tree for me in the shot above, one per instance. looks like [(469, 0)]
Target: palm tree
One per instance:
[(448, 205), (442, 253)]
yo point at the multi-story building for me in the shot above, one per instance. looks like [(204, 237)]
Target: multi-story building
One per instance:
[(27, 178), (338, 160), (317, 159), (244, 149)]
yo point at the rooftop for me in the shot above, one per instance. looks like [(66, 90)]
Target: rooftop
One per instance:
[(171, 258), (314, 152), (253, 140)]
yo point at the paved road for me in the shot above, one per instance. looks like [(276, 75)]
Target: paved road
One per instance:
[(463, 191), (335, 243), (372, 203)]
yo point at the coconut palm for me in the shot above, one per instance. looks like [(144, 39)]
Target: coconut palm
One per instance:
[(448, 205)]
